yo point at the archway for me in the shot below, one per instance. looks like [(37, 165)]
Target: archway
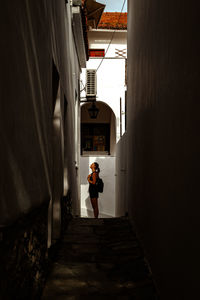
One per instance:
[(98, 143), (98, 136)]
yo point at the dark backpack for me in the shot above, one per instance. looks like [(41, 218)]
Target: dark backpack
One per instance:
[(100, 185)]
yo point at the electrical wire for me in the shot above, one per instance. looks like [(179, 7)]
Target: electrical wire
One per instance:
[(111, 37), (83, 86)]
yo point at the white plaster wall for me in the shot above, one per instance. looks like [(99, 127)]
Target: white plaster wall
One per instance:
[(110, 88), (110, 84), (107, 198), (27, 118), (99, 39), (121, 177), (73, 77), (163, 141), (111, 74)]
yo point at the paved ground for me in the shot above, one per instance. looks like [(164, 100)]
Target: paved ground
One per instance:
[(99, 259)]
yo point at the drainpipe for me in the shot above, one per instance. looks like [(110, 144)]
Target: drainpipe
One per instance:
[(120, 116)]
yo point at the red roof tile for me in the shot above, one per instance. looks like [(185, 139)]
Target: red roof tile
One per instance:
[(113, 20)]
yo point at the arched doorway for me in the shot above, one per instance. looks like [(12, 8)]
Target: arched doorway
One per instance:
[(98, 136), (98, 143)]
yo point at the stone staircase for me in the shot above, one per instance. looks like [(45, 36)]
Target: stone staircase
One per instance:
[(99, 259)]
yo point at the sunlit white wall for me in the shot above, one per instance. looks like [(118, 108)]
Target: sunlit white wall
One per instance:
[(111, 73), (107, 198), (110, 88)]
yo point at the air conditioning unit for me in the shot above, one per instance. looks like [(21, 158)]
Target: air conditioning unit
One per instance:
[(91, 83), (77, 2)]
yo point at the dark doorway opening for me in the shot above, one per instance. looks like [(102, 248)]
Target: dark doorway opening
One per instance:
[(95, 137)]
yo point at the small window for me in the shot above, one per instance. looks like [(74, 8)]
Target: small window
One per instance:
[(96, 52)]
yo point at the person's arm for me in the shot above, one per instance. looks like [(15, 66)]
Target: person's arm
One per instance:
[(88, 178)]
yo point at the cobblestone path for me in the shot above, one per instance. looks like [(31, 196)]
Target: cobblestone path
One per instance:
[(99, 259)]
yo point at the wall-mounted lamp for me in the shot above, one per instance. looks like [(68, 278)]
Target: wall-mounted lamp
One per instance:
[(93, 111)]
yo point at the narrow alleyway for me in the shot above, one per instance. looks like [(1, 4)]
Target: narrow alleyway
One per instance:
[(99, 259)]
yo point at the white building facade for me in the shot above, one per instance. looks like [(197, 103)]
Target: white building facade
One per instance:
[(108, 52)]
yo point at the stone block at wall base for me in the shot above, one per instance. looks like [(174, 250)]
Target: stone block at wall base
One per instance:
[(23, 256)]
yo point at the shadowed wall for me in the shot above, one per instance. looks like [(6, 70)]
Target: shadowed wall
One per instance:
[(162, 143), (33, 36), (37, 145)]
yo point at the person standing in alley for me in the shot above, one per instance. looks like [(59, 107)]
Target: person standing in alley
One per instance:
[(93, 191)]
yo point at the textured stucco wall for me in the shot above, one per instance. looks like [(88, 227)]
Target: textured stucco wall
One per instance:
[(33, 35), (163, 142), (39, 70)]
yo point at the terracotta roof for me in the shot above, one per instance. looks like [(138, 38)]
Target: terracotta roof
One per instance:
[(113, 20)]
